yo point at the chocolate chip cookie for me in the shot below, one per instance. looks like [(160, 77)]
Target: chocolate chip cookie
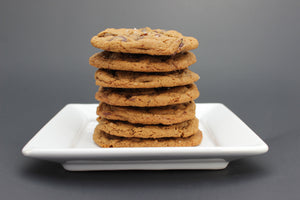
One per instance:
[(166, 115), (108, 141), (125, 129), (150, 97), (124, 79), (142, 62), (143, 41)]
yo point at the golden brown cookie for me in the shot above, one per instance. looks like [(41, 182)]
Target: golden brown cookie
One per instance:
[(125, 129), (108, 141), (150, 97), (143, 41), (166, 115), (125, 79), (142, 62)]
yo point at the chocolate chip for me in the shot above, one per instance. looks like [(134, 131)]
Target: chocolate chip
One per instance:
[(132, 99), (106, 113), (181, 44), (141, 36), (122, 38)]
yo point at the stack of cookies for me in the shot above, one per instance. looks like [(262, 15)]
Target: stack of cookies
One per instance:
[(146, 90)]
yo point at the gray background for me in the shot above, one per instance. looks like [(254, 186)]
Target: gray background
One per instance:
[(248, 59)]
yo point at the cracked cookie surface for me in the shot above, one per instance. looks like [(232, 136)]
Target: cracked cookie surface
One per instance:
[(125, 79), (143, 41), (166, 115), (150, 97), (109, 141), (142, 62)]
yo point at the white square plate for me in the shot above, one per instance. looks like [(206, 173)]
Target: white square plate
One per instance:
[(67, 139)]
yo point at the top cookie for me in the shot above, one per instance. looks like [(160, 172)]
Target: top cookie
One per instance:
[(143, 41)]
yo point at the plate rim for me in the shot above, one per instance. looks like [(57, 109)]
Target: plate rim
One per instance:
[(91, 153)]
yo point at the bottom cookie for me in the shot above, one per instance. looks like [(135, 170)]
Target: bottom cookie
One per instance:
[(108, 141)]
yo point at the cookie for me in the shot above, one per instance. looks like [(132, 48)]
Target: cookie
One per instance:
[(143, 41), (124, 79), (148, 115), (150, 97), (107, 141), (142, 62), (125, 129)]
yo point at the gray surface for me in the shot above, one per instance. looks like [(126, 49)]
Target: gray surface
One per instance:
[(248, 59)]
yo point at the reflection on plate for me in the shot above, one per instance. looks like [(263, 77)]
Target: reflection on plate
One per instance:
[(67, 139)]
